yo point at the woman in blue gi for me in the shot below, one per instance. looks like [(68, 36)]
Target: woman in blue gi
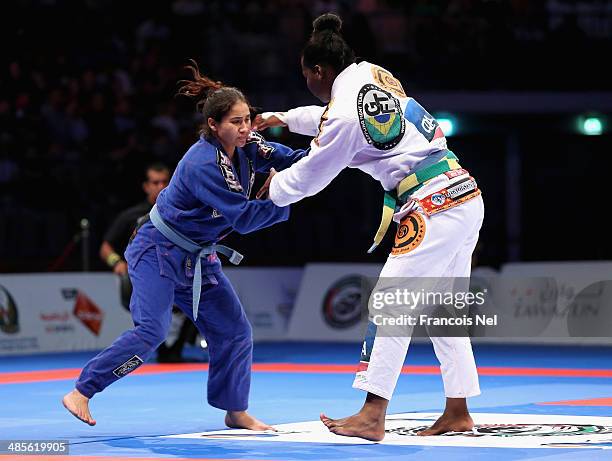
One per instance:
[(173, 257)]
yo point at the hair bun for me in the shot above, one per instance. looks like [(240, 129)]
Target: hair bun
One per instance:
[(327, 21)]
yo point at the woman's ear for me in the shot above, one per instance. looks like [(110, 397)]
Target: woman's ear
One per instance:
[(212, 124)]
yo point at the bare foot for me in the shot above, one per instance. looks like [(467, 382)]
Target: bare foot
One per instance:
[(449, 423), (77, 404), (359, 425), (328, 421), (242, 420)]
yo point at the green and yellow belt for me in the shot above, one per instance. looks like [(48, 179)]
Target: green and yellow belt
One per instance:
[(443, 161)]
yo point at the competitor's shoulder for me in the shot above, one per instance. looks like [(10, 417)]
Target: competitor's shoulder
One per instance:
[(204, 160), (384, 79), (201, 153)]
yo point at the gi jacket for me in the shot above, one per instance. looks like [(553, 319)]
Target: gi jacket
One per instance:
[(208, 197), (369, 124)]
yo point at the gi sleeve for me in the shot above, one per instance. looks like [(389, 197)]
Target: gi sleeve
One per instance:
[(214, 185), (304, 120), (338, 142), (266, 155)]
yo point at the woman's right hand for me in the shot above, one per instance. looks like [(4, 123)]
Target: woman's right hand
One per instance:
[(264, 192), (267, 120)]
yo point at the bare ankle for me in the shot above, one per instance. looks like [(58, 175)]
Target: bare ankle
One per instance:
[(375, 407)]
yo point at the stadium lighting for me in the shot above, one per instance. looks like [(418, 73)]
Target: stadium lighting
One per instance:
[(590, 126), (448, 125)]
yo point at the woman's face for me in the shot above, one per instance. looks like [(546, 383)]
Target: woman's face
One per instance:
[(234, 128)]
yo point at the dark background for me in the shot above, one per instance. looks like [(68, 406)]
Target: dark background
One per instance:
[(87, 98)]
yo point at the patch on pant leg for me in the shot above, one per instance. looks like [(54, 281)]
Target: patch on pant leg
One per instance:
[(128, 367), (410, 234), (366, 348)]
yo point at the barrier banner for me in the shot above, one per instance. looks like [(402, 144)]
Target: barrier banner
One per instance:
[(330, 304), (268, 296), (60, 312)]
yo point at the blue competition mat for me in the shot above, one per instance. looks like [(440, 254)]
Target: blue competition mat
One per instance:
[(524, 412)]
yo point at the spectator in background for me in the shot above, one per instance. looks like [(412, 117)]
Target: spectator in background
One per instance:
[(118, 234), (114, 244)]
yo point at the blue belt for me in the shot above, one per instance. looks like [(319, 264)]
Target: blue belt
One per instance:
[(189, 245)]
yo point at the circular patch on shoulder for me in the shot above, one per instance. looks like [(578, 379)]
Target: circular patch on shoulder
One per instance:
[(410, 234), (380, 117), (388, 81)]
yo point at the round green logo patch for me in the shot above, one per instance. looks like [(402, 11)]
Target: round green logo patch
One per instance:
[(380, 117)]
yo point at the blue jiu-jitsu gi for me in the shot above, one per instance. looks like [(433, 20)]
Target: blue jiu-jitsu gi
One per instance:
[(208, 196)]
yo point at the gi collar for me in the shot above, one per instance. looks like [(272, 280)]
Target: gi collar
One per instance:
[(215, 142), (341, 78)]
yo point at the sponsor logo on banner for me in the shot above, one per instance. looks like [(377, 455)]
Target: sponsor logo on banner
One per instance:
[(128, 366), (57, 322), (380, 117), (492, 430), (342, 304), (9, 317), (85, 310), (546, 298)]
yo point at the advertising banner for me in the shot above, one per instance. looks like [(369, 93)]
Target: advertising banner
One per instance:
[(59, 312)]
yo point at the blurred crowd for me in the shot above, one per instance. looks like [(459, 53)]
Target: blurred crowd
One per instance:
[(87, 89)]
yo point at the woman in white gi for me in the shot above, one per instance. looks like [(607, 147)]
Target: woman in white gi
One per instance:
[(369, 123)]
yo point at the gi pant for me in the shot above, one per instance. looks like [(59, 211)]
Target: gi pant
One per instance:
[(445, 252), (160, 275)]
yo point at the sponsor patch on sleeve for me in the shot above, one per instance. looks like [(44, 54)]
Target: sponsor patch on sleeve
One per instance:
[(423, 121), (380, 117), (388, 81)]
